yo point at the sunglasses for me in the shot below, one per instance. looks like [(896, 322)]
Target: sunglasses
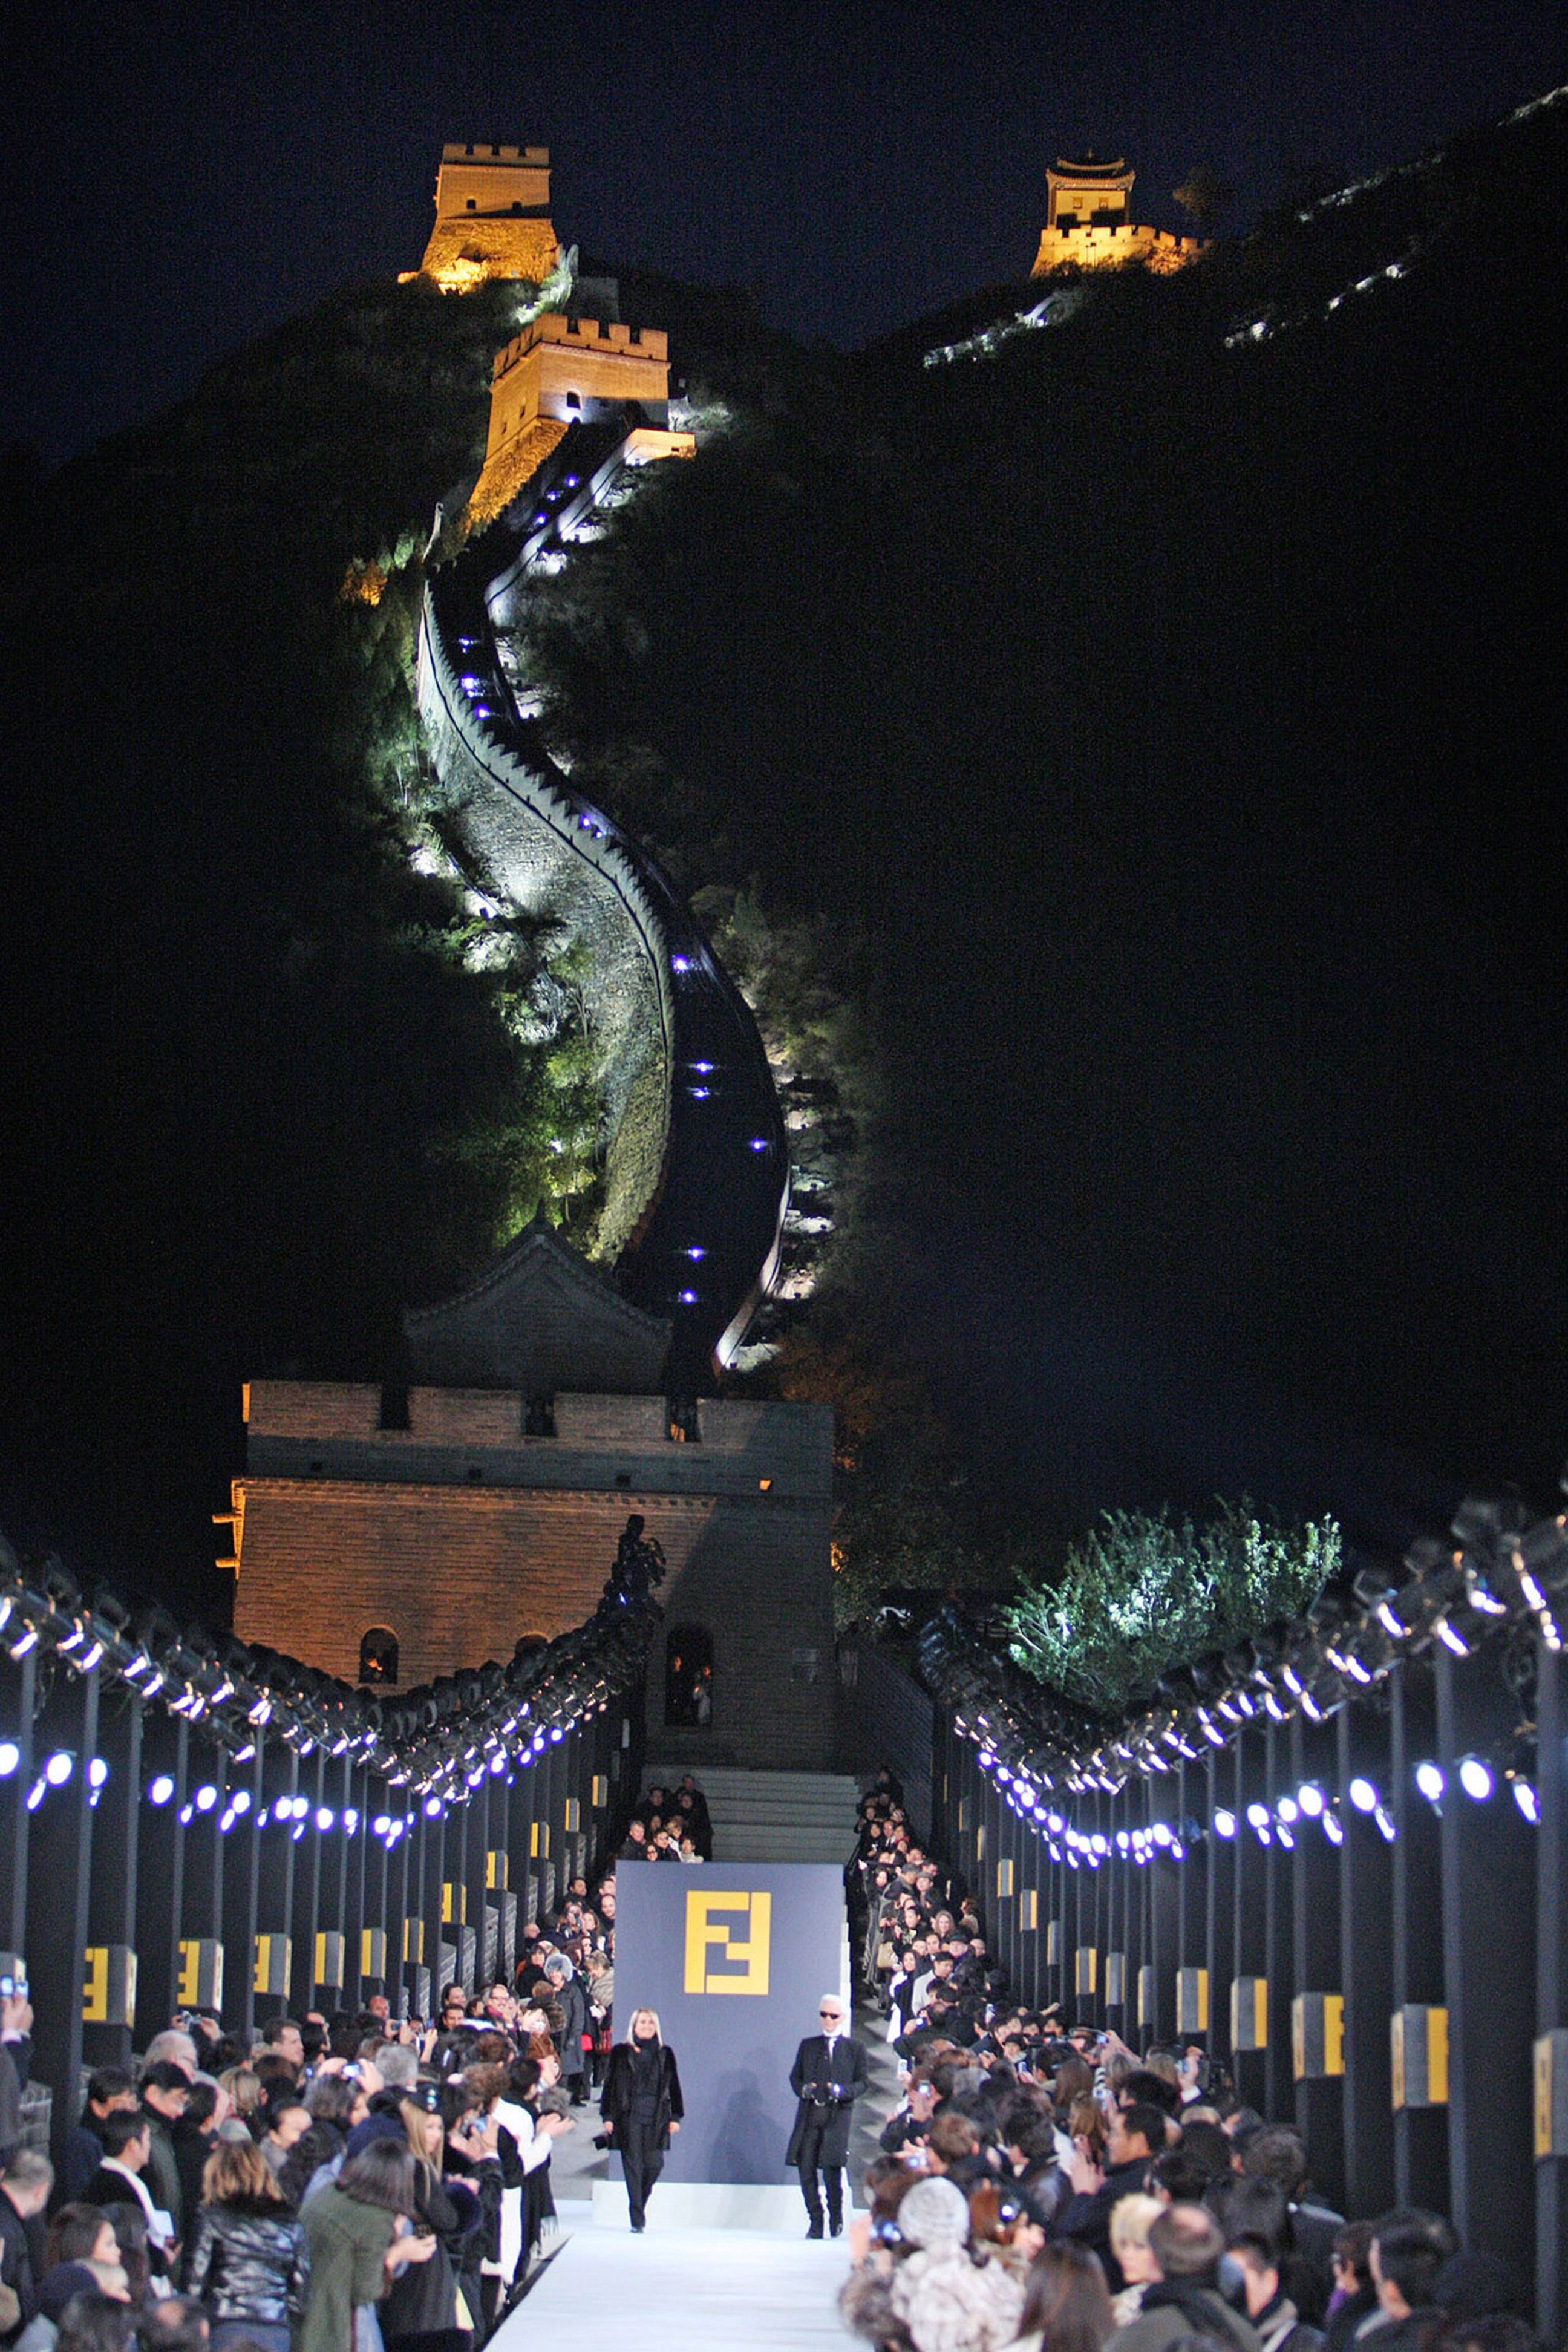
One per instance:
[(835, 2013)]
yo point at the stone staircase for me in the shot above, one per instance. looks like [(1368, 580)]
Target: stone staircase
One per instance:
[(780, 1816)]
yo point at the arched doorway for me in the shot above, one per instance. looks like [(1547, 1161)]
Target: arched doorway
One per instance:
[(378, 1656), (689, 1677)]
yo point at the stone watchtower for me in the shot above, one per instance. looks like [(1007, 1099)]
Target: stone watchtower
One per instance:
[(387, 1536), (492, 217), (1088, 225)]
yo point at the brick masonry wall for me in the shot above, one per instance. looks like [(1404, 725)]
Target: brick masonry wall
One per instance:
[(460, 1573)]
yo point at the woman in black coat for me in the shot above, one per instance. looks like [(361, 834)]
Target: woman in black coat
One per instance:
[(641, 2106)]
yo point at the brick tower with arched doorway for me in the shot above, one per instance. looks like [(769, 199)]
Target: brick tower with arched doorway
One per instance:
[(389, 1535)]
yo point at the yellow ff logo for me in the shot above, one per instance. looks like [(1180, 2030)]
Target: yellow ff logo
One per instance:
[(729, 1927)]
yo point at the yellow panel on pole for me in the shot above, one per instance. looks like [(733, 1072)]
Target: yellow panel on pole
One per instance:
[(1249, 2013)]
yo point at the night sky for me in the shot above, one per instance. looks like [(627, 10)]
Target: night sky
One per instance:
[(184, 177)]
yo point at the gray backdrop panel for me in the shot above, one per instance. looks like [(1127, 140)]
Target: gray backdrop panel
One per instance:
[(735, 2049)]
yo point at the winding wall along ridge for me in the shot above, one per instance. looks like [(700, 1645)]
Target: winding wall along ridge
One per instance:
[(697, 1204)]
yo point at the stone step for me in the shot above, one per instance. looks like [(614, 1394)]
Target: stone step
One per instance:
[(771, 1841)]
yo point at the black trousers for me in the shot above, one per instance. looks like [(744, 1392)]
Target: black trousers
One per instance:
[(816, 2177), (642, 2162)]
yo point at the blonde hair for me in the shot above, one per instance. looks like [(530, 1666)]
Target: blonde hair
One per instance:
[(425, 2136), (236, 2167), (244, 2087), (658, 2028), (1130, 2220)]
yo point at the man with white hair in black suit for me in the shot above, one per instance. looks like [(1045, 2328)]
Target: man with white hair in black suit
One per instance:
[(827, 2077)]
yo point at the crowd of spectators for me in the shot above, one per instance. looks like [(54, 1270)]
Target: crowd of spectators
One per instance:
[(1043, 2187), (338, 2183), (671, 1825)]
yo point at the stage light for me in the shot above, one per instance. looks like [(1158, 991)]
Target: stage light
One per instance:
[(36, 1794), (57, 1770), (1476, 1779), (1385, 1821), (96, 1772), (432, 1809), (351, 1819), (1259, 1816), (1286, 1839), (1430, 1781), (1310, 1798), (1525, 1798), (1333, 1829), (206, 1798), (1224, 1823), (1288, 1811), (1362, 1795), (239, 1803), (325, 1818), (10, 1757), (380, 1826)]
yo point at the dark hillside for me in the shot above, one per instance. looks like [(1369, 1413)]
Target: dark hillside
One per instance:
[(1167, 711), (1179, 709)]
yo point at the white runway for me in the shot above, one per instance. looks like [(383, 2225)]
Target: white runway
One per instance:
[(723, 2290)]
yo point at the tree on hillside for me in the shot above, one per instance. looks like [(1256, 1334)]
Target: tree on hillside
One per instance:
[(1203, 196)]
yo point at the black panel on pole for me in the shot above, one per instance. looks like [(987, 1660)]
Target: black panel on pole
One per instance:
[(16, 1724), (161, 1874), (1550, 1979), (61, 1865), (274, 1875), (1365, 1964), (1420, 2134), (112, 1902), (1488, 1865)]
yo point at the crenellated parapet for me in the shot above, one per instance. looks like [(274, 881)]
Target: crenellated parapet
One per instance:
[(1088, 225), (492, 217), (560, 371)]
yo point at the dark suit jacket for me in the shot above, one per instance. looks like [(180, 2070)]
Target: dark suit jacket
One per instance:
[(17, 2268), (838, 2087), (615, 2100)]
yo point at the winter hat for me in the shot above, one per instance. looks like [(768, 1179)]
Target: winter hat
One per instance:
[(935, 2215)]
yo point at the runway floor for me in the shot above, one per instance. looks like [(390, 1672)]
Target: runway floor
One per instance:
[(723, 2290)]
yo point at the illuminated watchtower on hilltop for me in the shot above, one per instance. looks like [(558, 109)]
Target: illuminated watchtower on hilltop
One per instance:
[(1089, 226), (492, 217)]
